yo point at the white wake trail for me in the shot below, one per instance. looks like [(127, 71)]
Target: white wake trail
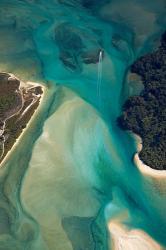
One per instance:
[(99, 78)]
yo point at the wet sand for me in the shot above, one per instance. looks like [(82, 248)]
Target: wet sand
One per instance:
[(125, 239)]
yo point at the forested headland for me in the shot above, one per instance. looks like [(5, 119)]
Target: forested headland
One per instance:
[(145, 114)]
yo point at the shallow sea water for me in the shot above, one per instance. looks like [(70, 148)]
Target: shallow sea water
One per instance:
[(72, 172)]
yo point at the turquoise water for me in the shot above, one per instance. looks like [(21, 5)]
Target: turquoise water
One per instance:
[(72, 172)]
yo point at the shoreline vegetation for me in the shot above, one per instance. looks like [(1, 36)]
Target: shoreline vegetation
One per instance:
[(145, 114), (145, 169), (18, 102)]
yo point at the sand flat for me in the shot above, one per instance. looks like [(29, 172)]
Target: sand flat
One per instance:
[(124, 239)]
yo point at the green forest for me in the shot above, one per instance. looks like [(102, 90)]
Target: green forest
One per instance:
[(145, 114), (6, 102)]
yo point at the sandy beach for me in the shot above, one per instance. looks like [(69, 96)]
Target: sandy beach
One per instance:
[(143, 168), (26, 84), (125, 239), (146, 170)]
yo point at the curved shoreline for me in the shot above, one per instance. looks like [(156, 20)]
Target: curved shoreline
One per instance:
[(123, 238), (143, 168), (33, 117), (144, 113)]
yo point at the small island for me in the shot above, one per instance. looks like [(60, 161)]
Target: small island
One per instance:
[(145, 115), (18, 103)]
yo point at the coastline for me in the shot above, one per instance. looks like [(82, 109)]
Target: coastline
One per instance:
[(143, 168), (144, 113), (33, 117), (123, 238)]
